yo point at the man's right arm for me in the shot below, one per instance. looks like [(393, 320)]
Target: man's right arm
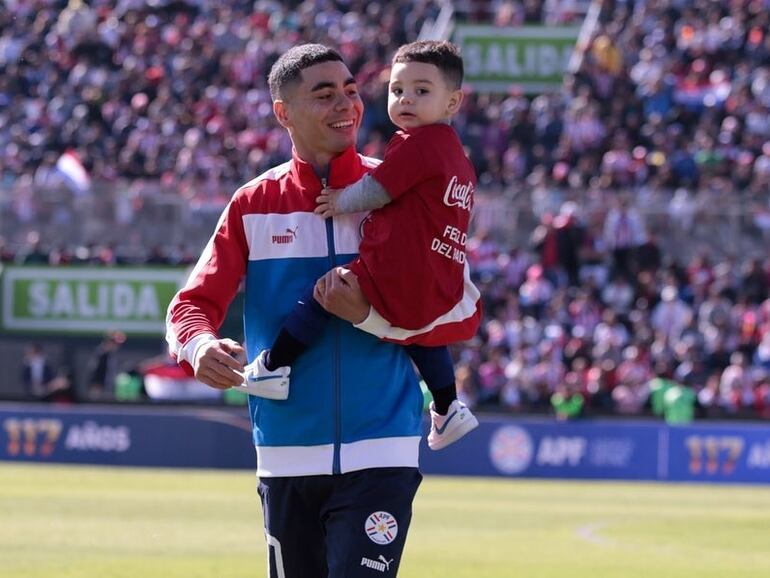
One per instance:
[(198, 310), (339, 293), (219, 363)]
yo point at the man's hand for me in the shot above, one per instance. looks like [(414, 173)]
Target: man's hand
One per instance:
[(338, 292), (327, 203), (219, 364)]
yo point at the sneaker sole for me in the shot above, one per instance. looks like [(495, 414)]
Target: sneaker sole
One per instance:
[(455, 434), (278, 394)]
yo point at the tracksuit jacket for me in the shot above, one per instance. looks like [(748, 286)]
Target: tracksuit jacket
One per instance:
[(354, 401)]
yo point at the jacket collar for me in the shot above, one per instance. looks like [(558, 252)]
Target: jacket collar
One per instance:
[(343, 170)]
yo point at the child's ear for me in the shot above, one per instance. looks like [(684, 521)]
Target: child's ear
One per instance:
[(455, 100)]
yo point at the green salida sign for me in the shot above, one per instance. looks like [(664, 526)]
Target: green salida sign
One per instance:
[(88, 299), (531, 58)]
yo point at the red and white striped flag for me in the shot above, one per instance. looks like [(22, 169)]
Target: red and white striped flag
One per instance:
[(74, 172)]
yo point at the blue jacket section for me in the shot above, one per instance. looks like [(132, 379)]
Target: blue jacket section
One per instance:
[(378, 391), (354, 401)]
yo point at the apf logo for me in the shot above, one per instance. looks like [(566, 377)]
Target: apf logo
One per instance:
[(511, 449), (288, 237), (381, 528), (381, 564), (459, 195)]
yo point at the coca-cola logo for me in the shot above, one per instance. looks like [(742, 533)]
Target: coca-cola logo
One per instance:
[(458, 194)]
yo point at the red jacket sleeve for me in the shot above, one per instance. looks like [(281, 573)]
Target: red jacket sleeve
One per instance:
[(201, 305)]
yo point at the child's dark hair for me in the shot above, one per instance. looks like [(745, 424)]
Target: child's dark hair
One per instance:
[(442, 54), (288, 68)]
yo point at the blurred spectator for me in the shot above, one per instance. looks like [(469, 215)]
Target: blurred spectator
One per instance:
[(671, 316), (466, 388), (535, 292), (618, 295), (567, 401), (33, 253), (624, 233), (736, 384), (103, 367), (37, 371), (679, 404), (42, 380)]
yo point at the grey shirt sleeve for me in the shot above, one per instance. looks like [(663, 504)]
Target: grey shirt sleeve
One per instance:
[(365, 194)]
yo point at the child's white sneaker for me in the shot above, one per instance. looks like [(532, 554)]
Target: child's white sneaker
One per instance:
[(259, 381), (447, 429)]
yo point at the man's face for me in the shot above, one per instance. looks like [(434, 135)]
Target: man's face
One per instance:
[(322, 112)]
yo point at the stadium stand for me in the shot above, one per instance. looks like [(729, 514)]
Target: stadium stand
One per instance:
[(622, 222)]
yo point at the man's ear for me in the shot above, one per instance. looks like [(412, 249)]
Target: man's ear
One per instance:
[(455, 100), (281, 113)]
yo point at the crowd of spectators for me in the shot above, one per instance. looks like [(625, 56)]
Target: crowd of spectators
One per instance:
[(669, 94), (176, 91), (672, 100), (35, 251), (669, 101), (570, 315), (673, 96), (173, 91)]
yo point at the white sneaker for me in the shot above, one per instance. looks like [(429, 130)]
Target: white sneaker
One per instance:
[(259, 381), (447, 429)]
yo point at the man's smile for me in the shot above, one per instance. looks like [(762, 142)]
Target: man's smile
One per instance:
[(342, 124)]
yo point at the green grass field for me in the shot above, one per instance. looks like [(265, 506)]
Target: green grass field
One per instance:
[(62, 522)]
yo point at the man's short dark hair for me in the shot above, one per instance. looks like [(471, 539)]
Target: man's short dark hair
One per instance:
[(288, 68), (442, 54)]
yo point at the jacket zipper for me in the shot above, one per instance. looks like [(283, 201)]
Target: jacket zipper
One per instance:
[(336, 468)]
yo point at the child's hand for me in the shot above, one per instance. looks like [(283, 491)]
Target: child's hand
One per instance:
[(327, 201)]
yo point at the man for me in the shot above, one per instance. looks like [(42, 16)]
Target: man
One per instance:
[(41, 379), (624, 233), (103, 366), (37, 372), (337, 460)]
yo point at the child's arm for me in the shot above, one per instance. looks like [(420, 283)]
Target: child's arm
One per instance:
[(365, 194)]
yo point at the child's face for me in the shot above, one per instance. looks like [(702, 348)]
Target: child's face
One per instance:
[(419, 95)]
